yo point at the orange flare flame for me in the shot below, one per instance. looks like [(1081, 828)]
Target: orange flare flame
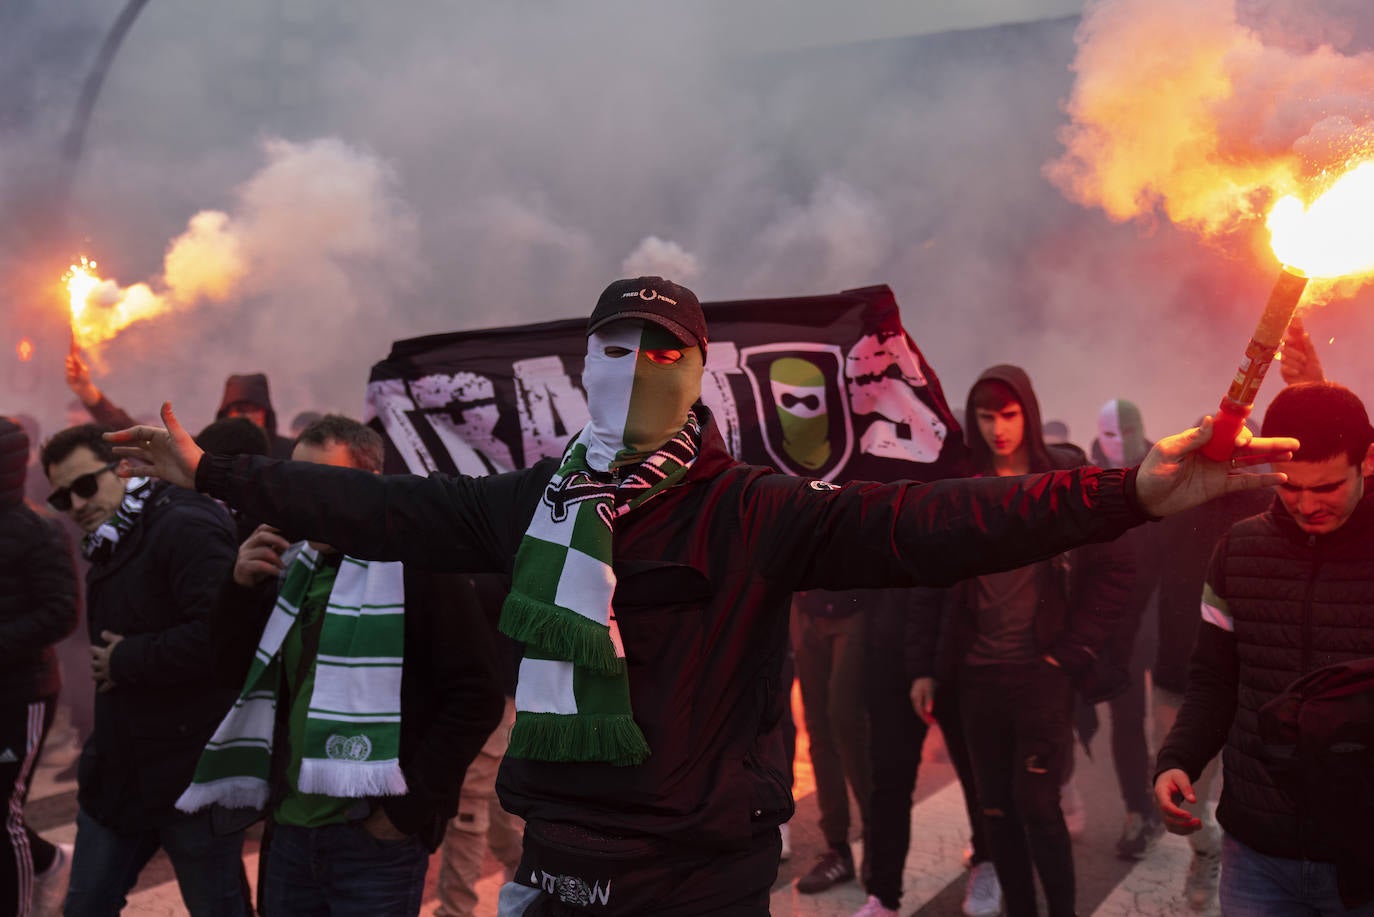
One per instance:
[(1334, 235), (24, 349), (101, 308)]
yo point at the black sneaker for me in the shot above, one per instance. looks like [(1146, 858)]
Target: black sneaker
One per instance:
[(832, 868)]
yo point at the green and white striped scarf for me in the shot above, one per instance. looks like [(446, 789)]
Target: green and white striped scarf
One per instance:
[(353, 725), (572, 700)]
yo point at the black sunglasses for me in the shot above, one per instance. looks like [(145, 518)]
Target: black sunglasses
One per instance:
[(83, 486)]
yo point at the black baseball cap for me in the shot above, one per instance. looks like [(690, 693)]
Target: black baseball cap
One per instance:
[(653, 299)]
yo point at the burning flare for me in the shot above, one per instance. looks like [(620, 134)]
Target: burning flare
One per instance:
[(24, 349), (100, 309), (1334, 236)]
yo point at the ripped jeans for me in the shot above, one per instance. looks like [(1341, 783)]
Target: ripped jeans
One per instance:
[(1018, 723)]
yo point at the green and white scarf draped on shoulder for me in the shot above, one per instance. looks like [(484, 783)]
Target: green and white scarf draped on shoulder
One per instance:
[(353, 725)]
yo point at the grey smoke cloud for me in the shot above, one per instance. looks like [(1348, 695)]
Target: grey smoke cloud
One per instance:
[(515, 163), (662, 258)]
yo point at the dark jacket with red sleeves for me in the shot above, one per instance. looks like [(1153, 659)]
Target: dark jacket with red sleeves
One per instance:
[(1282, 604), (451, 696), (156, 590), (705, 572)]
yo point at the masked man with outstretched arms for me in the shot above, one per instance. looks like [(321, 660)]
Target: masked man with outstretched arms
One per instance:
[(651, 578)]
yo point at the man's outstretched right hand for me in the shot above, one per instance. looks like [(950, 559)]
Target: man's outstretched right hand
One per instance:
[(166, 452)]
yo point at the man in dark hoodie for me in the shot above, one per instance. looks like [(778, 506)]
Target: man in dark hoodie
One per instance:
[(1016, 643), (245, 395), (38, 607)]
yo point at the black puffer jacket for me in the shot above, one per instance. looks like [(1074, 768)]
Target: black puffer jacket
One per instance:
[(1283, 603), (704, 577), (38, 601), (156, 591)]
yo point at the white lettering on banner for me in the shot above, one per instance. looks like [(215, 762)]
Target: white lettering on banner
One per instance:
[(882, 375), (722, 361), (551, 409), (461, 409), (390, 402)]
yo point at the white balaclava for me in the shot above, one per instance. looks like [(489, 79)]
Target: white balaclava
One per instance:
[(1121, 434), (641, 381)]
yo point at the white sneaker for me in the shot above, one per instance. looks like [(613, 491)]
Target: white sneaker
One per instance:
[(50, 885), (785, 829), (1200, 887), (1071, 804), (874, 908), (983, 894)]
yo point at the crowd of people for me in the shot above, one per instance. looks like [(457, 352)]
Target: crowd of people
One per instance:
[(584, 668)]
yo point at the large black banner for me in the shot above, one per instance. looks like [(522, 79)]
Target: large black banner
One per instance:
[(830, 387)]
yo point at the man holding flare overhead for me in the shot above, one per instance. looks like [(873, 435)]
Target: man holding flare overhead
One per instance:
[(651, 579)]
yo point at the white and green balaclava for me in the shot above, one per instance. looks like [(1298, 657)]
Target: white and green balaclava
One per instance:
[(1121, 434), (641, 381)]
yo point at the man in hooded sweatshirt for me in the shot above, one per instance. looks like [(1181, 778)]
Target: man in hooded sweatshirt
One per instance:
[(1017, 643), (651, 579), (245, 395)]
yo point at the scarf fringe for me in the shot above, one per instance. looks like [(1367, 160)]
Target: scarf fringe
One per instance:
[(351, 779), (578, 737), (230, 792), (560, 633)]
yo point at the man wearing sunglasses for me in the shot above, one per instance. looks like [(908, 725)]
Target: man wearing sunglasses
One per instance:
[(158, 555)]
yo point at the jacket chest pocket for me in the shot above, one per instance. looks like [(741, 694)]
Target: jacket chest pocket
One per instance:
[(647, 586), (660, 609)]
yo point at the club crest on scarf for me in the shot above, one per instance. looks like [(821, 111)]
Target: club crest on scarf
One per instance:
[(577, 487)]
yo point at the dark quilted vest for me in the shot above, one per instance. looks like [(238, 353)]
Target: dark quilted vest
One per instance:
[(1299, 602)]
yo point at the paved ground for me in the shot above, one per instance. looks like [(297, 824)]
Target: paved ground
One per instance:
[(934, 872)]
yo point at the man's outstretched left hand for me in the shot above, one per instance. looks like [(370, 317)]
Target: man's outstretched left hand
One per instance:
[(1176, 475), (166, 452)]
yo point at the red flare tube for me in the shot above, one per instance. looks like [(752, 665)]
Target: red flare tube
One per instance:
[(1259, 353)]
